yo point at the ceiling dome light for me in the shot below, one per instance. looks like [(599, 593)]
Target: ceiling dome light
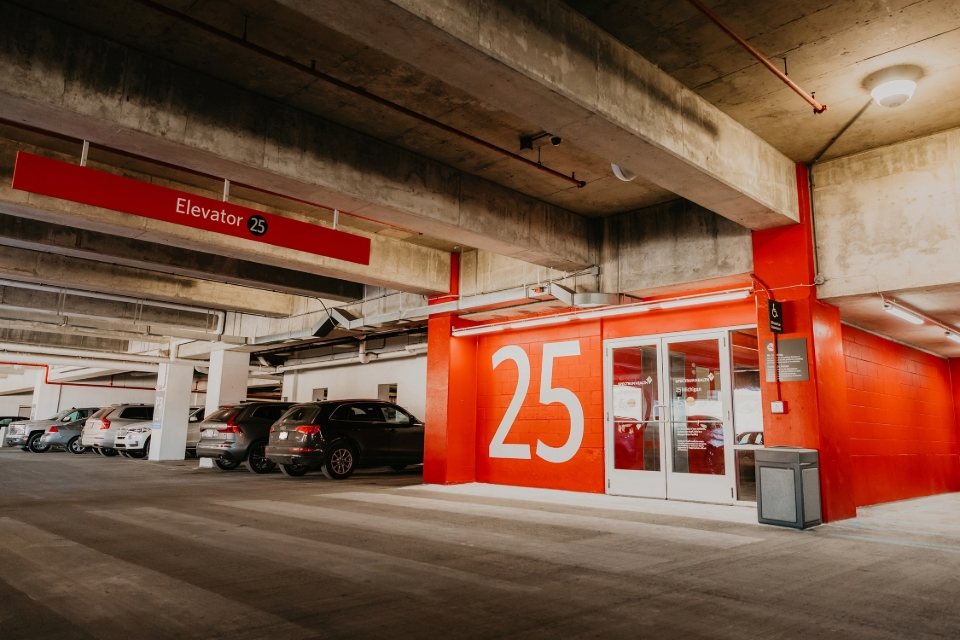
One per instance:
[(893, 93), (622, 173)]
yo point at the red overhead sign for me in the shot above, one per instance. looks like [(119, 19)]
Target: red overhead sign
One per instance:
[(66, 181)]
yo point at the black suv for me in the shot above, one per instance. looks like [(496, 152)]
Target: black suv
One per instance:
[(339, 436), (237, 434)]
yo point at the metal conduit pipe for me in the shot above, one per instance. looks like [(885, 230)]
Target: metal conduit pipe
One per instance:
[(107, 359), (221, 315), (46, 379), (39, 360), (368, 357)]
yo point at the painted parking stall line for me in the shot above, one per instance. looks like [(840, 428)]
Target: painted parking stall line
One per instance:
[(57, 179)]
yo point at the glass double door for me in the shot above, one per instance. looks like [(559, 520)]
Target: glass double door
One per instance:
[(668, 417)]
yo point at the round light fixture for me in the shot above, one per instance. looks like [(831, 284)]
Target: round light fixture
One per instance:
[(622, 173), (893, 93)]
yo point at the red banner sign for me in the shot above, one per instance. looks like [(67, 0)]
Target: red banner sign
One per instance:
[(67, 181)]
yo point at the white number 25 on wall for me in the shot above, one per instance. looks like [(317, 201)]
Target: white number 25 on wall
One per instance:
[(548, 395)]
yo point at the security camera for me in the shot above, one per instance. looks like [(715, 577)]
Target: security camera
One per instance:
[(556, 140)]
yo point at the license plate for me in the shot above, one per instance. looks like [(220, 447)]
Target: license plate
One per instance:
[(283, 435), (209, 433)]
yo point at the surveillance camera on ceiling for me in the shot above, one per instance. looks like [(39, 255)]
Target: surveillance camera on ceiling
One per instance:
[(556, 140)]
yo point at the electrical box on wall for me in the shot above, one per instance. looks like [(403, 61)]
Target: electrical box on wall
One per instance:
[(778, 406)]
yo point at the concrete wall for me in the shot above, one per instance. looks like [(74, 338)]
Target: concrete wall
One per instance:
[(362, 380), (887, 219), (10, 405), (667, 247)]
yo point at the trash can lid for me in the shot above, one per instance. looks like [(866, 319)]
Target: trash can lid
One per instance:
[(787, 455)]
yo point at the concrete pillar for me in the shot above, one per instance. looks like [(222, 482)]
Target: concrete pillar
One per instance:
[(171, 411), (227, 382), (291, 384), (46, 398)]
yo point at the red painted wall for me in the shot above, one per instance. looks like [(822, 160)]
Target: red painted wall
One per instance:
[(903, 427), (550, 423)]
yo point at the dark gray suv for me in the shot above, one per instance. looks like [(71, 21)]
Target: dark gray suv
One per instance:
[(237, 434), (339, 436)]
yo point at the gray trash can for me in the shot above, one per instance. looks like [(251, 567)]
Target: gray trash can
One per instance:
[(788, 487)]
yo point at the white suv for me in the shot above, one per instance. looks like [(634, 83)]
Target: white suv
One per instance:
[(101, 428), (133, 440)]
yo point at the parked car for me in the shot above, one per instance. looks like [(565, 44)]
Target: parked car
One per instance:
[(133, 440), (238, 434), (6, 420), (29, 433), (340, 436), (100, 431)]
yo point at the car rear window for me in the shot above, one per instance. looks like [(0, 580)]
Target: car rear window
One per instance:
[(102, 412), (301, 415), (137, 413), (223, 413), (269, 412), (358, 413)]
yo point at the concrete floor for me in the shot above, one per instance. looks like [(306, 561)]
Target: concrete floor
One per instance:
[(115, 548)]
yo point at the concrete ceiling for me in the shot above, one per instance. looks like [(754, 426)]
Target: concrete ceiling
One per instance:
[(831, 46), (287, 33), (937, 303)]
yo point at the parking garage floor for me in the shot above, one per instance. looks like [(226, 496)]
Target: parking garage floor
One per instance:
[(94, 547)]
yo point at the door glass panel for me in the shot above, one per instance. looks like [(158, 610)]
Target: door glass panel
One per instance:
[(696, 381), (747, 409), (636, 407)]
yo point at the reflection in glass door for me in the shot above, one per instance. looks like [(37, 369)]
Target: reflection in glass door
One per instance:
[(668, 418), (637, 423)]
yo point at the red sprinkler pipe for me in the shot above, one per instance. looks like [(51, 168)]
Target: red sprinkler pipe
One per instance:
[(817, 107), (46, 379)]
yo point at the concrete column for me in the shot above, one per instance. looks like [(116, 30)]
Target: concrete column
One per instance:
[(171, 410), (227, 382), (46, 398), (291, 383)]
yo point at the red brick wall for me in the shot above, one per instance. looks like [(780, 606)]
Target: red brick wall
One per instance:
[(903, 429)]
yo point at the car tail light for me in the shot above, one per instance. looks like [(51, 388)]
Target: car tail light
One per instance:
[(309, 430), (104, 423), (272, 429), (232, 429), (53, 430)]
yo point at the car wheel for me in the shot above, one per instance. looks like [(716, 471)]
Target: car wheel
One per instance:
[(109, 452), (398, 467), (226, 465), (293, 470), (34, 444), (339, 462), (74, 446), (257, 461), (146, 449)]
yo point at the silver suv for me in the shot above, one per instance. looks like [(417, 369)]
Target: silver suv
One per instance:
[(28, 434), (101, 429)]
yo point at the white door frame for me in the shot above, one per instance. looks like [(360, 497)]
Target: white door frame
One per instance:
[(666, 483)]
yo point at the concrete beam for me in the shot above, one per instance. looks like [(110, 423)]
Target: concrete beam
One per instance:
[(886, 219), (665, 248), (26, 233), (542, 61), (393, 263), (64, 271), (62, 79)]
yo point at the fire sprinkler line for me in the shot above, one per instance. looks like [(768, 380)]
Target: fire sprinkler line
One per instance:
[(46, 379), (817, 107), (311, 70)]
